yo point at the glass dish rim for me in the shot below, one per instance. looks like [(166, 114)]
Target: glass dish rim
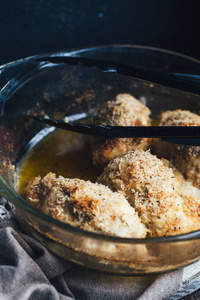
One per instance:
[(17, 200), (85, 49)]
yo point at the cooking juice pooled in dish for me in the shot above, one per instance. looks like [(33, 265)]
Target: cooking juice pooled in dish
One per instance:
[(74, 155), (62, 152)]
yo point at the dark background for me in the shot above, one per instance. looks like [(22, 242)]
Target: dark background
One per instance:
[(29, 27)]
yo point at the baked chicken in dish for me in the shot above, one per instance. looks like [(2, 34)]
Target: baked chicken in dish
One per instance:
[(146, 188), (185, 158), (125, 110), (166, 203), (86, 205)]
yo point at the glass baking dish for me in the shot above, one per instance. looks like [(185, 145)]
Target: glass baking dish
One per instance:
[(24, 85)]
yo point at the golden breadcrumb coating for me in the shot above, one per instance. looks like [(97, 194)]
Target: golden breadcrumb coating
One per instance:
[(83, 204), (156, 191), (185, 158), (125, 110), (179, 117)]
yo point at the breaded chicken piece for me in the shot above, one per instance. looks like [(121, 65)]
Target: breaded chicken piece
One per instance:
[(125, 110), (156, 191), (83, 204), (185, 158)]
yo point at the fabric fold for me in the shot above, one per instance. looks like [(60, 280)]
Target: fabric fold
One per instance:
[(29, 272)]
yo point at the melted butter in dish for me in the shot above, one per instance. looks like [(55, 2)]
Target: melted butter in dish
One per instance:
[(61, 152)]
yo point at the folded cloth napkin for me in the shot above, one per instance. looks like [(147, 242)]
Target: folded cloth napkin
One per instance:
[(29, 272)]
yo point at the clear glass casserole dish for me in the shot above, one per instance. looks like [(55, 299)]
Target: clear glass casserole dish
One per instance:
[(24, 84)]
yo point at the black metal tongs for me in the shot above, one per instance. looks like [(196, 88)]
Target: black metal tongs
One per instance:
[(184, 82)]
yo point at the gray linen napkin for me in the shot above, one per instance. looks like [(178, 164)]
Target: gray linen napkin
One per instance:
[(29, 272)]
